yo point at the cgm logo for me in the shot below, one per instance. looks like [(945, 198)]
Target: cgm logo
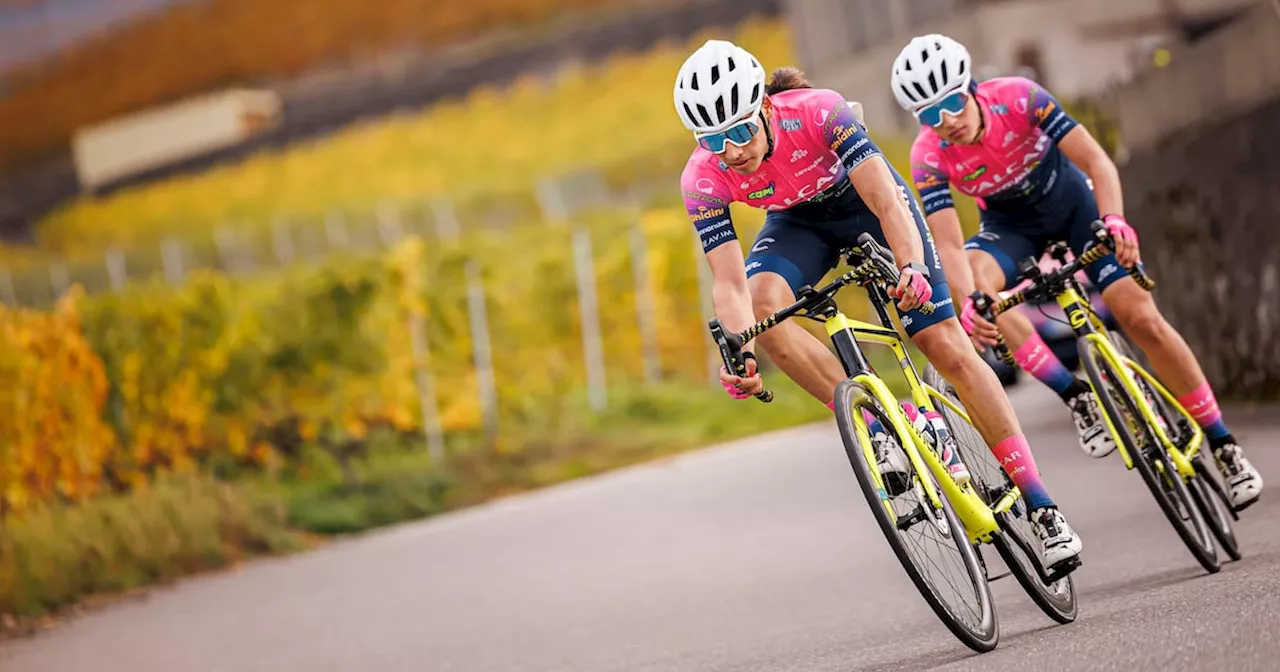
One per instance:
[(761, 193)]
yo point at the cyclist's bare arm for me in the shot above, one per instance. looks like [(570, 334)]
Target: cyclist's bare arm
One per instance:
[(889, 202), (948, 239), (729, 293), (1084, 151)]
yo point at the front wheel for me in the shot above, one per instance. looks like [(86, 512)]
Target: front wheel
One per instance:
[(930, 543), (1017, 543), (1149, 457), (1206, 487)]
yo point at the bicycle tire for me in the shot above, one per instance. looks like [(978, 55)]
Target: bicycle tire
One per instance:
[(1196, 536), (1213, 501), (851, 397), (1057, 600), (1205, 489)]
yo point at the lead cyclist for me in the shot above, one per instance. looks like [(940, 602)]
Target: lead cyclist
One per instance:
[(1008, 143), (800, 154)]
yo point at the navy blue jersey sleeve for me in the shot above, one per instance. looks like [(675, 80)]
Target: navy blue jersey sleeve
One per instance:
[(843, 134), (1047, 113)]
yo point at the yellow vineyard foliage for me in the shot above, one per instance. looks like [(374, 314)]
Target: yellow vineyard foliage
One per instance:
[(491, 142), (53, 389)]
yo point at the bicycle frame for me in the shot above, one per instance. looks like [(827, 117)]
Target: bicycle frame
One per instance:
[(1088, 325), (846, 334)]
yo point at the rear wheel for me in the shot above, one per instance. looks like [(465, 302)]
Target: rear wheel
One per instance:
[(931, 544), (1149, 457), (1017, 544)]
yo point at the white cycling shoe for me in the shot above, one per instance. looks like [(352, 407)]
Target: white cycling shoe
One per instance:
[(1243, 479), (1091, 429), (894, 469), (1061, 543)]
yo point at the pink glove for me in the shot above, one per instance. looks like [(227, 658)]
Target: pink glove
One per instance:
[(1119, 228), (918, 283), (967, 312), (731, 388)]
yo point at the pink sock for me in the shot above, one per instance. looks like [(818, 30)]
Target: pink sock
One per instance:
[(1036, 358), (1203, 406), (1015, 456)]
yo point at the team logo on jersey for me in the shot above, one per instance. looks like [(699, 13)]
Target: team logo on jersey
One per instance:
[(723, 165), (842, 134), (705, 185), (799, 154), (1009, 138), (932, 160), (999, 108), (1043, 113), (929, 179), (792, 124), (704, 213), (976, 174), (761, 193)]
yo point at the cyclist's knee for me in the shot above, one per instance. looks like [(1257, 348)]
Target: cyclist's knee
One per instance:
[(769, 294), (988, 275), (946, 347), (1135, 310)]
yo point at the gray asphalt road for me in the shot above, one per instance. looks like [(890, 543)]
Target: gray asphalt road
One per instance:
[(759, 555)]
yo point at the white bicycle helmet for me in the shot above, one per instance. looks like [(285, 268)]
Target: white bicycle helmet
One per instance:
[(929, 68), (719, 85)]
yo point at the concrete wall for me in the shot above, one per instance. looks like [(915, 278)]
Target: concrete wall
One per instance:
[(1201, 189), (1231, 71)]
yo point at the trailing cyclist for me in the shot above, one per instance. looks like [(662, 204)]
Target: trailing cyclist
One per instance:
[(800, 154), (1039, 177)]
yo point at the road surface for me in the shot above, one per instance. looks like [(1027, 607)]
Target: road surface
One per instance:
[(759, 555)]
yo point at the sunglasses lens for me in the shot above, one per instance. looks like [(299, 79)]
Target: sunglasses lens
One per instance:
[(742, 133), (712, 143), (738, 135)]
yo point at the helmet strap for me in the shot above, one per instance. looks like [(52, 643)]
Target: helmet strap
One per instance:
[(768, 134)]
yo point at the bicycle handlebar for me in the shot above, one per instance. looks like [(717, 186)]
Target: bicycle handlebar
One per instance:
[(876, 265), (1043, 282)]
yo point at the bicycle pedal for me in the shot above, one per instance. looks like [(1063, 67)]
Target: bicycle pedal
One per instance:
[(1062, 569)]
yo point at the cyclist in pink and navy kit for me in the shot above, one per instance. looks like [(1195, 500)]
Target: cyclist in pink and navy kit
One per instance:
[(1038, 177), (802, 155)]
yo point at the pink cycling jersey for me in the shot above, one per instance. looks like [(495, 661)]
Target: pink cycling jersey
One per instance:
[(1024, 123), (817, 141)]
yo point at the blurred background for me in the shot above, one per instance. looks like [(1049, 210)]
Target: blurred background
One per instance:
[(305, 267)]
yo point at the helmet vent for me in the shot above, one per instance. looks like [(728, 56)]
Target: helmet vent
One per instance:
[(944, 71), (706, 118), (733, 98), (715, 74), (933, 81), (731, 64), (693, 82)]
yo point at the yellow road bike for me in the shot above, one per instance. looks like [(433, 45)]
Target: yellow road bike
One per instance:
[(1154, 433), (935, 526)]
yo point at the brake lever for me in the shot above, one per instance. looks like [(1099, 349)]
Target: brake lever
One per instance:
[(731, 354), (985, 305)]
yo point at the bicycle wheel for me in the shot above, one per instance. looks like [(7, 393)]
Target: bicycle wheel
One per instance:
[(1206, 487), (1211, 497), (1018, 545), (926, 541), (1149, 457)]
